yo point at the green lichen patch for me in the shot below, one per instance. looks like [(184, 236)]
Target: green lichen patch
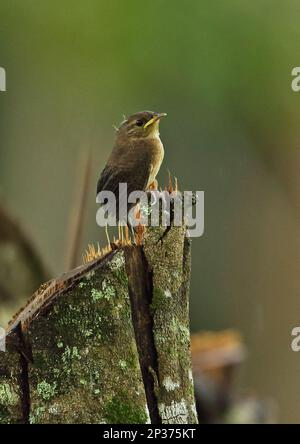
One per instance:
[(7, 395), (10, 393), (121, 410), (45, 390), (121, 275), (36, 415), (84, 350), (107, 291), (117, 263), (159, 299)]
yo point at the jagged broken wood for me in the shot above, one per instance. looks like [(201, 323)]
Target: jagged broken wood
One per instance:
[(109, 342)]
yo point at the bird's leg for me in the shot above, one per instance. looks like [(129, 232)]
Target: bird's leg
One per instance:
[(123, 237), (107, 235), (131, 228), (176, 185), (119, 232), (117, 243)]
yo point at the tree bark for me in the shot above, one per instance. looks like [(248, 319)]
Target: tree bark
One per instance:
[(108, 342)]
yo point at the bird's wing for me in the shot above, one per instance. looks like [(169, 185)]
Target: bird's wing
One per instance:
[(136, 175), (136, 179)]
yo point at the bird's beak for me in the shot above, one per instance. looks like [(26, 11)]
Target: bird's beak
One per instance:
[(154, 119)]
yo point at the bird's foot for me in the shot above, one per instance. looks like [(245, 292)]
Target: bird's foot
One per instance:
[(124, 238)]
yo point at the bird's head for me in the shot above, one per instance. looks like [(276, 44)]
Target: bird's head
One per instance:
[(144, 124)]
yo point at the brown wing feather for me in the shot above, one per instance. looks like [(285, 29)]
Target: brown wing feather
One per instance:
[(135, 173)]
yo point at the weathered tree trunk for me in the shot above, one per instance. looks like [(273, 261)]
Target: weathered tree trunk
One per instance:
[(107, 343)]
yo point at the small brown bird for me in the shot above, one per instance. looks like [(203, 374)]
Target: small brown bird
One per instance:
[(136, 157)]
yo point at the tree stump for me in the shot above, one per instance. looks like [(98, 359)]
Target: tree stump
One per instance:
[(108, 342)]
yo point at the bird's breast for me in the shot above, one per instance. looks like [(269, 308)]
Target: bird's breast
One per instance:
[(157, 155)]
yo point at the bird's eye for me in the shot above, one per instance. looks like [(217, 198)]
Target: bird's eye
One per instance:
[(140, 122)]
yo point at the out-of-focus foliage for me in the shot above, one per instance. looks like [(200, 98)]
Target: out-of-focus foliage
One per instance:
[(222, 72)]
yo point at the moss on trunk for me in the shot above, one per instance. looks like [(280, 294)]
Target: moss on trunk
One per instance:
[(170, 263), (11, 409), (86, 338), (108, 344)]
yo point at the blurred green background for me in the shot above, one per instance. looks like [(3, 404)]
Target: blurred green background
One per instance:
[(222, 72)]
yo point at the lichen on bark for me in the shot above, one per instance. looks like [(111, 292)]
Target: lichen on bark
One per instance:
[(11, 411), (106, 343), (87, 339), (170, 263)]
